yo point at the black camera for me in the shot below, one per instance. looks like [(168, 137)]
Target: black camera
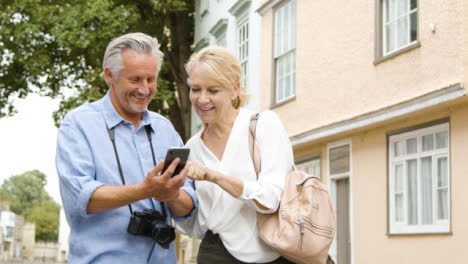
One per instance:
[(151, 223)]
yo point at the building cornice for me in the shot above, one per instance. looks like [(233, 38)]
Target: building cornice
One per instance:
[(267, 6), (239, 6), (202, 43), (219, 27), (419, 103)]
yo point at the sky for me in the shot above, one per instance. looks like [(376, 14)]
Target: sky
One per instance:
[(28, 141)]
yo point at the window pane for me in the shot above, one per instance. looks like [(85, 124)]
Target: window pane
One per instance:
[(426, 190), (281, 89), (398, 148), (277, 32), (413, 4), (442, 139), (412, 192), (399, 178), (339, 159), (414, 26), (399, 207), (244, 75), (427, 142), (411, 146), (279, 78), (287, 86), (390, 37), (293, 72), (292, 26), (442, 173), (390, 10), (402, 7), (442, 204), (286, 27), (402, 31), (284, 42)]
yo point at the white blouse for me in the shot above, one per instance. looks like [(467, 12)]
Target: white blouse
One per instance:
[(234, 219)]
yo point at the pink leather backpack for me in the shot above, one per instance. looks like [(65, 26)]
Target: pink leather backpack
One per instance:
[(303, 227)]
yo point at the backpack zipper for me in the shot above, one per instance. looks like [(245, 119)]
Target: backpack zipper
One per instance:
[(301, 231)]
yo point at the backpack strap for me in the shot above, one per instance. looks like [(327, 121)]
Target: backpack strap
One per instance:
[(254, 152)]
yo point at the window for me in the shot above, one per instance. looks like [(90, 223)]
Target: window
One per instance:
[(419, 187), (339, 177), (221, 40), (218, 31), (400, 24), (311, 166), (204, 4), (339, 158), (284, 52), (243, 49)]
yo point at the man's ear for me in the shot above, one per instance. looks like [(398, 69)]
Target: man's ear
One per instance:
[(108, 76)]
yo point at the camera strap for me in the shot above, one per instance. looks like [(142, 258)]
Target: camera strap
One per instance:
[(148, 134)]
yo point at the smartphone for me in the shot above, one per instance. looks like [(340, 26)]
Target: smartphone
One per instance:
[(172, 154)]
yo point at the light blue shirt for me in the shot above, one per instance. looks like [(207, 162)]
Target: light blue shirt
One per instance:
[(85, 160)]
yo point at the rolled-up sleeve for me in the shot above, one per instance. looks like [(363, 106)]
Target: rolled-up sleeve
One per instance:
[(188, 188), (276, 162), (76, 169)]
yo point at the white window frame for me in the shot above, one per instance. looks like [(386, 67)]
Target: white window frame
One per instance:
[(311, 166), (242, 36), (398, 17), (332, 187), (438, 225), (284, 53)]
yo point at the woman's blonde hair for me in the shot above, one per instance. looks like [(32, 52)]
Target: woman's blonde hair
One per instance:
[(221, 66)]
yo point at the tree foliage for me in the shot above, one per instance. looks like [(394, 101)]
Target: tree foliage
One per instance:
[(24, 191), (26, 196), (46, 217), (55, 48)]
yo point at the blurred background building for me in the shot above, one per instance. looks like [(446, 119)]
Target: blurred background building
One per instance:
[(372, 94)]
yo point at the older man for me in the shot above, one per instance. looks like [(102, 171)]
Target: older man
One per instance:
[(109, 160)]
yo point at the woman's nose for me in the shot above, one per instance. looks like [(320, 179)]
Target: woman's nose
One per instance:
[(203, 98)]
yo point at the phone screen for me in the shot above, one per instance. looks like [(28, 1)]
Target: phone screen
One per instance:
[(172, 154)]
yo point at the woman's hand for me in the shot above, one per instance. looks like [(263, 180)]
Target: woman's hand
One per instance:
[(198, 172)]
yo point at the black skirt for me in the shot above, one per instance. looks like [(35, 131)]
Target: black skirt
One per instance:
[(212, 251)]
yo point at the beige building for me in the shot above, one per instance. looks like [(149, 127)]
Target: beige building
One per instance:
[(29, 240), (63, 234), (372, 94)]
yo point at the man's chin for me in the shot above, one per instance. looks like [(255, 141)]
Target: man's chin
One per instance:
[(138, 109)]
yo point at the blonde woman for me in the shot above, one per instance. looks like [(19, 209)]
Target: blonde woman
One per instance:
[(226, 184)]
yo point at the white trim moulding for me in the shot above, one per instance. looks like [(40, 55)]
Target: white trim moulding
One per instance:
[(425, 101)]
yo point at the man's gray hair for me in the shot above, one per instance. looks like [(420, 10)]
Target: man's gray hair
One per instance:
[(138, 42)]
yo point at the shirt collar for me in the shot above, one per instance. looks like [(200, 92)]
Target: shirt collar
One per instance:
[(113, 118)]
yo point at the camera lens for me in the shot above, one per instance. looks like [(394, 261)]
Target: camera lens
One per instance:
[(163, 234)]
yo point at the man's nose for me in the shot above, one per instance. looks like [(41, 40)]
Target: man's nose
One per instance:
[(145, 88)]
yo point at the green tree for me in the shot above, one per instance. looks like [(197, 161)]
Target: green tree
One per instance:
[(24, 191), (27, 197), (52, 47), (46, 217)]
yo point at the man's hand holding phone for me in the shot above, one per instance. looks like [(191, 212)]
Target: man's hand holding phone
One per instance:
[(172, 153), (162, 182)]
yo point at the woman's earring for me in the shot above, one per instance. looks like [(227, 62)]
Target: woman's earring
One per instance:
[(236, 102)]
